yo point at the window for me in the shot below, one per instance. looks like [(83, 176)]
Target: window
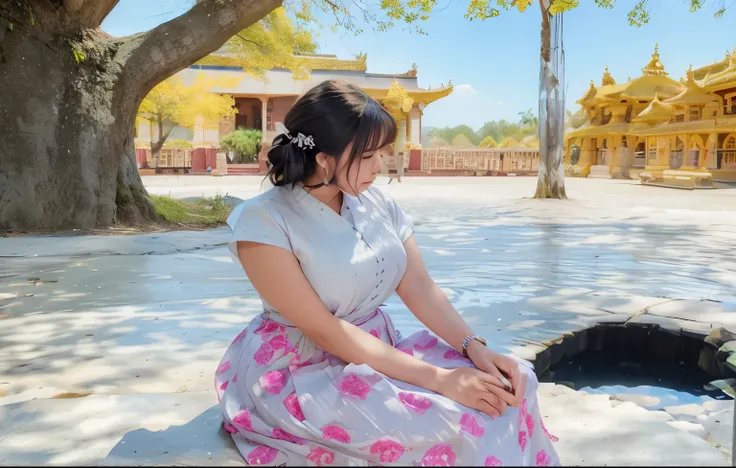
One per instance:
[(694, 113), (652, 152), (652, 155), (729, 104), (693, 157), (728, 154)]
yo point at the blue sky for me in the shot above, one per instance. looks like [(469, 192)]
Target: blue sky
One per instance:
[(494, 64)]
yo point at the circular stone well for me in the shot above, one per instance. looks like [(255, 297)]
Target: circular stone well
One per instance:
[(633, 355)]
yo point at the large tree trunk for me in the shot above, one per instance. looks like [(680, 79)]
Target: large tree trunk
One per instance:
[(551, 181), (68, 100)]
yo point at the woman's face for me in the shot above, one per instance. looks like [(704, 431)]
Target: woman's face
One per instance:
[(356, 176)]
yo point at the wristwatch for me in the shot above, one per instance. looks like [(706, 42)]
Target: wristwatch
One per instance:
[(468, 339)]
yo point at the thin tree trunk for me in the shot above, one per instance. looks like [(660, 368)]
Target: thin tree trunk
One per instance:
[(158, 144), (551, 178)]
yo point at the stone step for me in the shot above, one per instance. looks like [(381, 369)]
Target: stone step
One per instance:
[(599, 172)]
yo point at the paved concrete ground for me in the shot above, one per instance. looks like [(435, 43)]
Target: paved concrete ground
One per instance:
[(139, 322)]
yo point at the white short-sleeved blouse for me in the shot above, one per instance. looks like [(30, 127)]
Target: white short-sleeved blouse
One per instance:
[(354, 261)]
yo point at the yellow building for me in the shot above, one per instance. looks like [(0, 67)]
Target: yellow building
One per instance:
[(662, 130), (261, 102)]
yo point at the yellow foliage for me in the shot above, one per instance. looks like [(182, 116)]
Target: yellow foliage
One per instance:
[(273, 42), (509, 142), (561, 6), (521, 5), (488, 142), (174, 101)]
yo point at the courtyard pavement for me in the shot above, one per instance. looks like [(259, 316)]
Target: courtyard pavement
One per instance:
[(108, 343)]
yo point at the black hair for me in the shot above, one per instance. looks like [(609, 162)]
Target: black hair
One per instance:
[(334, 114)]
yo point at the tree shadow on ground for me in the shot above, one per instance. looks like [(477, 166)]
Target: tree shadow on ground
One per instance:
[(202, 441)]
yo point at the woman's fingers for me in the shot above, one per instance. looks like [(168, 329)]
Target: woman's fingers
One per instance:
[(493, 385), (495, 402), (487, 408), (519, 379), (502, 380)]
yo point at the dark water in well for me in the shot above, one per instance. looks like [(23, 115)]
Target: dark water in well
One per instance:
[(638, 361)]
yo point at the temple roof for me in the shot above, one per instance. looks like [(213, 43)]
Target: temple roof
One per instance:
[(692, 94), (600, 94), (654, 67), (719, 75), (312, 61), (607, 79), (654, 80), (647, 86), (281, 82), (656, 111)]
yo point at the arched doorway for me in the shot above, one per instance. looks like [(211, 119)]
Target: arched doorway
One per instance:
[(676, 153), (727, 153), (640, 155), (574, 154), (696, 149)]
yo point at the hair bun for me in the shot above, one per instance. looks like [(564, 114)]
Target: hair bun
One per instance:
[(289, 163)]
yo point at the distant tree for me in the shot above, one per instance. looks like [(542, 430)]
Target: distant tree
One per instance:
[(173, 104), (488, 142), (509, 142), (461, 140), (450, 133), (528, 118)]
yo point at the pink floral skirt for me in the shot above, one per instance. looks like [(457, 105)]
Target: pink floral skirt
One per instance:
[(285, 401)]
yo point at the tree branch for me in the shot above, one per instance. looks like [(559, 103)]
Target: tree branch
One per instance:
[(89, 13), (151, 57), (248, 41)]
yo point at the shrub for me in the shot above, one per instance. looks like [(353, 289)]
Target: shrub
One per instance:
[(245, 143)]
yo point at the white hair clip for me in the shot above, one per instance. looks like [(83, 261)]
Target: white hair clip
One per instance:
[(301, 140)]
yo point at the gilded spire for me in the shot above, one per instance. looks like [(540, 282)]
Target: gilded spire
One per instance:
[(654, 67), (607, 78)]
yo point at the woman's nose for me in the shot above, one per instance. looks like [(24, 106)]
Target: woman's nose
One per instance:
[(378, 165)]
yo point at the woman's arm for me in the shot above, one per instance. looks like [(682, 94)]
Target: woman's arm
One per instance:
[(430, 305), (427, 301), (278, 278)]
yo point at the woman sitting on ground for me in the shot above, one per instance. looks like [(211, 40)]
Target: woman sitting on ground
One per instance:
[(322, 376)]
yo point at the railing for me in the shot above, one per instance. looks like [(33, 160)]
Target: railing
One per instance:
[(174, 157), (726, 159), (675, 159), (640, 159), (479, 159)]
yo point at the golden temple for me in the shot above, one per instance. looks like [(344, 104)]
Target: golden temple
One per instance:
[(677, 132)]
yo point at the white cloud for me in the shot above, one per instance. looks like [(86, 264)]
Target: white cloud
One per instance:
[(467, 106), (500, 103), (464, 89)]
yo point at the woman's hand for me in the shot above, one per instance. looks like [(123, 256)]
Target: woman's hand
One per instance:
[(503, 368), (475, 389)]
